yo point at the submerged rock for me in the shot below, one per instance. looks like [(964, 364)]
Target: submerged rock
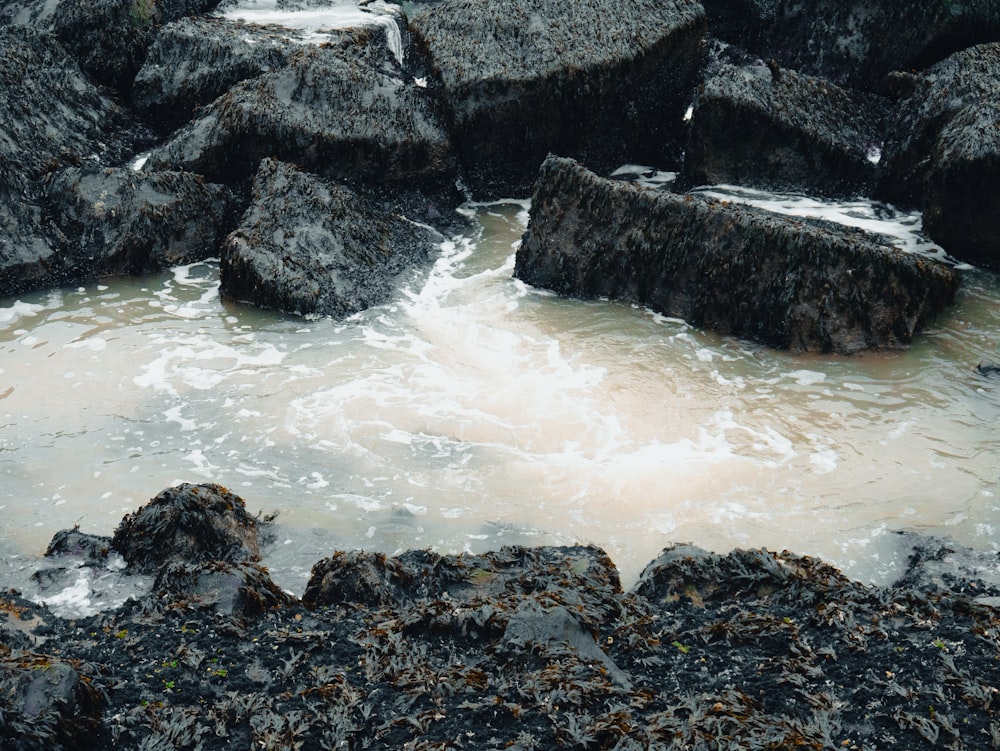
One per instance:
[(312, 247), (788, 283), (605, 81), (943, 152), (775, 128), (189, 524), (854, 43)]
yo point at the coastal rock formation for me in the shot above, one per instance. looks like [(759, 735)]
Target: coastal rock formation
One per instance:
[(605, 81), (344, 112), (312, 247), (533, 648), (788, 283), (943, 152), (773, 128), (854, 43)]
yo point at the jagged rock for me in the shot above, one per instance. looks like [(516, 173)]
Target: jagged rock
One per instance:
[(854, 43), (312, 247), (943, 152), (775, 128), (603, 80), (109, 38), (189, 524), (195, 60), (237, 590), (345, 112), (91, 550), (120, 221), (789, 283)]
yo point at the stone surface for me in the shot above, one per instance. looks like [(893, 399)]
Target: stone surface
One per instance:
[(788, 283), (777, 129), (312, 247), (603, 80)]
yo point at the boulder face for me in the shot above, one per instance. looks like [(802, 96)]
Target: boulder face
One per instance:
[(788, 283), (854, 43), (342, 111), (943, 152), (602, 80), (768, 127), (312, 247)]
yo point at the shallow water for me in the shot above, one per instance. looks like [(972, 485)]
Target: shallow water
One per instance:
[(473, 411)]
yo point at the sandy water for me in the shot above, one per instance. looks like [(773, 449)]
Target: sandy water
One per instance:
[(473, 411)]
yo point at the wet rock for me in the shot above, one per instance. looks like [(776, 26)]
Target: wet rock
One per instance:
[(120, 221), (195, 60), (853, 43), (775, 128), (604, 81), (90, 549), (345, 112), (24, 624), (48, 702), (788, 283), (237, 590), (947, 567), (943, 152), (189, 524), (312, 247), (988, 368), (109, 38)]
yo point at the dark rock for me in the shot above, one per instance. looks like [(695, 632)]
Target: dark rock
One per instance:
[(48, 703), (23, 624), (798, 285), (947, 567), (341, 111), (189, 524), (603, 80), (120, 221), (109, 38), (773, 128), (237, 590), (91, 550), (854, 43), (311, 247), (988, 368), (943, 153)]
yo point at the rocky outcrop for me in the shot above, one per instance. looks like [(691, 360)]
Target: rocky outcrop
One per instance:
[(605, 81), (773, 128), (854, 43), (785, 282), (312, 247), (341, 111), (943, 152), (533, 648)]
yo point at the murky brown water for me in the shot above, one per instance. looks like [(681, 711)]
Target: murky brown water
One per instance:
[(474, 412)]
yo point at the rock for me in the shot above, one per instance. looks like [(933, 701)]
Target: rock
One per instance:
[(781, 130), (91, 550), (189, 524), (312, 247), (854, 43), (120, 221), (944, 566), (344, 112), (236, 590), (602, 80), (788, 283), (943, 152), (108, 38), (48, 702), (988, 368), (195, 60)]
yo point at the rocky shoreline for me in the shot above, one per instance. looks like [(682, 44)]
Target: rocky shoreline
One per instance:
[(528, 648)]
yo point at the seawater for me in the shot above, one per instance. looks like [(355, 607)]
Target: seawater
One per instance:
[(473, 411)]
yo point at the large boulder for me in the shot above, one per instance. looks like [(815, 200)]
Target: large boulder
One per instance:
[(312, 247), (788, 283), (943, 152), (774, 128), (854, 43), (343, 111), (605, 81), (189, 524)]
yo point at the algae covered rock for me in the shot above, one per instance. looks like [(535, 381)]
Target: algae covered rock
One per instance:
[(600, 80), (788, 283), (312, 247), (774, 128)]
